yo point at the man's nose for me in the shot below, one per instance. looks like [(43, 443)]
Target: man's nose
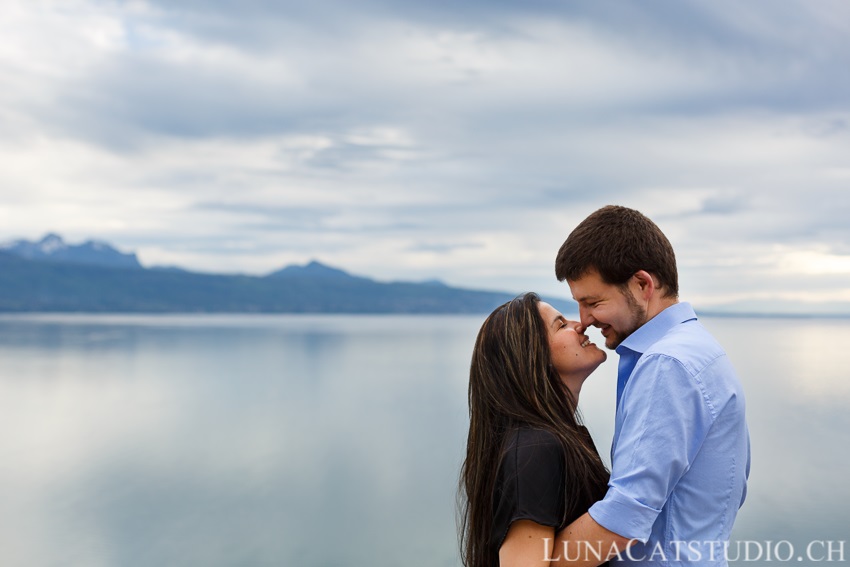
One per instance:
[(585, 317)]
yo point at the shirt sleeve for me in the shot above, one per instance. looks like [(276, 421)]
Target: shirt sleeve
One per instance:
[(666, 417), (747, 472), (530, 483)]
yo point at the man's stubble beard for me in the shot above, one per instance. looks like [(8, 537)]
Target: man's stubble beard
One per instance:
[(637, 320)]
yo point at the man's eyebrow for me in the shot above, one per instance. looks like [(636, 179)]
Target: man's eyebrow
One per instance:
[(584, 299)]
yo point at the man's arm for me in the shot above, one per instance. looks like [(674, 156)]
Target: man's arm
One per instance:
[(586, 543), (664, 419)]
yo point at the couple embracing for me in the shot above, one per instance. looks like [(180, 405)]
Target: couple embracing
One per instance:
[(535, 490)]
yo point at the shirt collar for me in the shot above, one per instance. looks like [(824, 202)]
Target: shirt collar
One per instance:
[(652, 331)]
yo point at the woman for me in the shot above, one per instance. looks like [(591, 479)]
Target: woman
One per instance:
[(530, 468)]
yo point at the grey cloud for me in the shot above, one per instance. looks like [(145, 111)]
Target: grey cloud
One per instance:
[(829, 128), (718, 23), (780, 32), (442, 247), (300, 217), (375, 229), (343, 156), (840, 248), (724, 204), (134, 98), (135, 95)]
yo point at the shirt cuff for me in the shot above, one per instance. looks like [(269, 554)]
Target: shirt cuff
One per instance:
[(624, 515)]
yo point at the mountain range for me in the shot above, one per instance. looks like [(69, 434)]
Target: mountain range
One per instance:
[(51, 275), (52, 248)]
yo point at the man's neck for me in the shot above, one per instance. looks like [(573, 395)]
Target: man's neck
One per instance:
[(662, 303)]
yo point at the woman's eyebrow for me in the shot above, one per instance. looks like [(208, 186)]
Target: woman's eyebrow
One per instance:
[(558, 318)]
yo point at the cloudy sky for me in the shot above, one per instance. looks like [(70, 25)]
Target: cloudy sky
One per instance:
[(460, 140)]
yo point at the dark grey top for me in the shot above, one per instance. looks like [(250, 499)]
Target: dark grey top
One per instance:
[(530, 482)]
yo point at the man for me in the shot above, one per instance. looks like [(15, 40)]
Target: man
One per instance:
[(681, 451)]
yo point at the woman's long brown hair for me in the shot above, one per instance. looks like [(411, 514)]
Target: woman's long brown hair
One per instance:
[(512, 384)]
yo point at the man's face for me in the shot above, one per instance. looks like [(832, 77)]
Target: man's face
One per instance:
[(613, 309)]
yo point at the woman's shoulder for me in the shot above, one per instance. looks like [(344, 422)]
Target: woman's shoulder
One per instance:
[(528, 436), (527, 444), (530, 482)]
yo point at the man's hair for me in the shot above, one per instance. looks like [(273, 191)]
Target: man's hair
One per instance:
[(617, 242)]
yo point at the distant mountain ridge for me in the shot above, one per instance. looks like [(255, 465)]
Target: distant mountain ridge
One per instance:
[(52, 248), (312, 269), (52, 276)]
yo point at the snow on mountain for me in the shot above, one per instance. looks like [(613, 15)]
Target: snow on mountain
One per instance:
[(52, 248), (50, 244)]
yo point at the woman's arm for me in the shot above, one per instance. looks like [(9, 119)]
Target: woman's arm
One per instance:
[(526, 545), (584, 543)]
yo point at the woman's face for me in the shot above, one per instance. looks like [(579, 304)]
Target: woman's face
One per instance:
[(573, 355)]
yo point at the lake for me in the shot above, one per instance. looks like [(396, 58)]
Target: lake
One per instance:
[(278, 440)]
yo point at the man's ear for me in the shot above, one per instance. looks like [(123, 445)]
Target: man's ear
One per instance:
[(644, 284)]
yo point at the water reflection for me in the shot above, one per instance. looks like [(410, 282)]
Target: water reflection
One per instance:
[(796, 404), (229, 442), (323, 440)]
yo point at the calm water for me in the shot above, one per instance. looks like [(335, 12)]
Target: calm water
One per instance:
[(332, 440)]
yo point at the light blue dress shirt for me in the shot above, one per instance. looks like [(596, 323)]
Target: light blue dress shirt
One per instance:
[(681, 449)]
